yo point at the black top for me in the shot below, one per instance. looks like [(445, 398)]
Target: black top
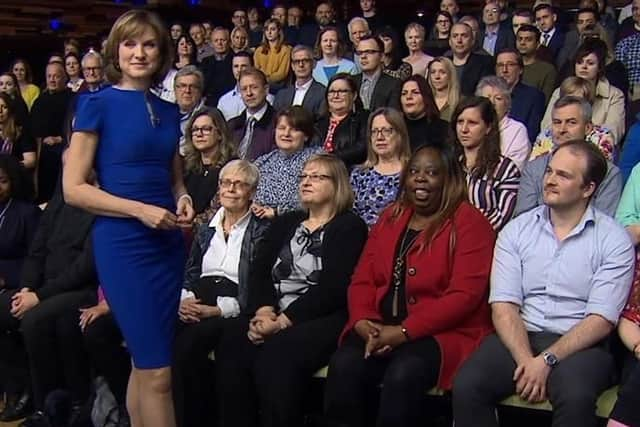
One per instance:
[(218, 77), (349, 137), (426, 132), (17, 227), (48, 113), (386, 305), (203, 186)]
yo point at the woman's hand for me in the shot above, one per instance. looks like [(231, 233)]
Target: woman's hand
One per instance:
[(185, 211), (380, 339), (88, 315), (263, 211), (263, 324), (189, 312), (156, 217)]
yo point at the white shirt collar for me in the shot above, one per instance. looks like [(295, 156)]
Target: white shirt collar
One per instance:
[(305, 86), (217, 219), (258, 114)]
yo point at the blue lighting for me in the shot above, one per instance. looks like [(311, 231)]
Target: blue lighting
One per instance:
[(194, 2), (267, 3), (55, 24)]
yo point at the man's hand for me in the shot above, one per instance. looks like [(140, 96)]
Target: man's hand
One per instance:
[(531, 379), (23, 301)]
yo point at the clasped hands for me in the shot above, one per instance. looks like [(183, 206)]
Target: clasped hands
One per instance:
[(531, 379), (192, 310), (160, 218), (23, 301), (266, 323), (380, 339)]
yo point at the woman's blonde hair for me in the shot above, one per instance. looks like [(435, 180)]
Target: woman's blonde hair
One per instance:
[(264, 46), (133, 24), (453, 96), (246, 38), (225, 149), (396, 120), (343, 194), (422, 32), (573, 84)]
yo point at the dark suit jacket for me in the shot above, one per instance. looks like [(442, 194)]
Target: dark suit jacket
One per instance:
[(568, 50), (313, 101), (263, 133), (477, 67), (506, 38), (385, 94), (218, 78), (528, 107), (556, 43)]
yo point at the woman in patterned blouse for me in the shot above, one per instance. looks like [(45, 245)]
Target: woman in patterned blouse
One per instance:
[(376, 182), (493, 179)]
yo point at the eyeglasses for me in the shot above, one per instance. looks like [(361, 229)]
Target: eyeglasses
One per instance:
[(91, 69), (184, 86), (227, 183), (314, 177), (303, 61), (367, 52), (206, 130), (386, 132), (341, 92)]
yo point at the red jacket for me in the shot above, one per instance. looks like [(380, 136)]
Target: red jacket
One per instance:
[(448, 302)]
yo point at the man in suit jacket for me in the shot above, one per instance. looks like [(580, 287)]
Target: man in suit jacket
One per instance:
[(550, 36), (529, 103), (572, 40), (470, 67), (254, 128), (305, 91), (376, 89), (496, 35)]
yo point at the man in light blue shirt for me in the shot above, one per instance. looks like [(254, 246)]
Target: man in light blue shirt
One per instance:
[(560, 278)]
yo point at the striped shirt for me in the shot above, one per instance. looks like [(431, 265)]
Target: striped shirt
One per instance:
[(495, 196)]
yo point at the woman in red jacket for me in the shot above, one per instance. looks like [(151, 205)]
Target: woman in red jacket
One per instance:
[(417, 301)]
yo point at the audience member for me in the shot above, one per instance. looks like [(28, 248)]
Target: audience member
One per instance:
[(573, 39), (630, 154), (325, 16), (415, 325), (414, 36), (520, 18), (188, 86), (392, 63), (279, 13), (470, 67), (273, 56), (631, 26), (474, 24), (445, 86), (376, 182), (217, 70), (239, 17), (255, 27), (438, 42), (421, 116), (357, 28), (550, 35), (331, 51), (176, 30), (239, 40), (537, 73), (186, 52), (452, 8), (71, 45), (495, 35), (22, 71), (370, 13), (93, 72), (10, 86), (628, 52), (74, 71), (293, 26), (197, 33), (541, 350), (376, 89), (16, 139)]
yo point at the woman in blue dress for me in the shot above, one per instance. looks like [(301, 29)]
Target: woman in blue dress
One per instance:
[(130, 137)]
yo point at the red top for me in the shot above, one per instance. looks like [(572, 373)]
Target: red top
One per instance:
[(447, 291)]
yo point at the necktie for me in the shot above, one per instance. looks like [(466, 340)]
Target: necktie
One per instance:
[(246, 139), (365, 93), (545, 39)]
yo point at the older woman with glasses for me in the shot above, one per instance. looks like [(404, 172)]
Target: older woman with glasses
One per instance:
[(297, 298), (216, 287), (209, 146)]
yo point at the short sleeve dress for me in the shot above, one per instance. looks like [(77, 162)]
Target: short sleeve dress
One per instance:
[(140, 269)]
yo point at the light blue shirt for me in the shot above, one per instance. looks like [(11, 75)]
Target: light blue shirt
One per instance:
[(489, 42), (558, 283)]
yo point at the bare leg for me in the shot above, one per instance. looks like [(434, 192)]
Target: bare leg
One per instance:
[(155, 402), (133, 399)]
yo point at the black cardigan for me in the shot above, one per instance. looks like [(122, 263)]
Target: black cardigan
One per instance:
[(349, 137), (342, 243)]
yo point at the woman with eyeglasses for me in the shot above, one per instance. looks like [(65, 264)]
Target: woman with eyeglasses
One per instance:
[(343, 125), (28, 90), (330, 50), (273, 56), (208, 147), (375, 183), (417, 299), (215, 289), (280, 168), (414, 36), (437, 43), (297, 303)]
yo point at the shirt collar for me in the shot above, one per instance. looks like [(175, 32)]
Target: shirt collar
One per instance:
[(258, 114), (219, 217), (374, 78), (305, 86), (588, 217), (551, 32)]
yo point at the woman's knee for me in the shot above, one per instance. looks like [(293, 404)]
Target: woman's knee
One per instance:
[(157, 380), (405, 372)]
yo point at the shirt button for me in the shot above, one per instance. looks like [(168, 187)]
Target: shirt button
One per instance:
[(412, 300), (411, 271)]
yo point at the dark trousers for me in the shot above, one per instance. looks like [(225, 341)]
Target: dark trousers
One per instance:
[(271, 377), (405, 375), (573, 385), (57, 358), (14, 369), (103, 341), (627, 409), (192, 371)]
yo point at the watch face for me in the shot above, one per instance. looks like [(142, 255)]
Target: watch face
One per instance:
[(550, 359)]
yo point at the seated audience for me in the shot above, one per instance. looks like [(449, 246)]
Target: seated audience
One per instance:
[(293, 27), (305, 90), (218, 76), (492, 178), (470, 67), (521, 17), (358, 27), (255, 27), (325, 16), (421, 115), (438, 42), (376, 182), (625, 412), (343, 125), (414, 36), (392, 63), (551, 36), (560, 277), (198, 34), (330, 49), (73, 70), (239, 40), (216, 289), (22, 70), (538, 72), (273, 56), (417, 299), (188, 86), (208, 147), (514, 142), (279, 169), (598, 135), (253, 128), (176, 30), (9, 85), (571, 121), (93, 72), (495, 34), (445, 86), (185, 52), (376, 89), (18, 221), (609, 104), (16, 140), (297, 303)]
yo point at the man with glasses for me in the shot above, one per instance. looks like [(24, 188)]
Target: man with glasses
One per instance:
[(376, 89), (358, 27), (231, 104), (496, 35), (239, 17), (188, 89), (470, 66), (305, 91), (529, 103), (92, 71)]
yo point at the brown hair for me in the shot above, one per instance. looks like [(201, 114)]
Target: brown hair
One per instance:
[(264, 46), (298, 118), (10, 130), (395, 119), (343, 194), (131, 24), (596, 168), (317, 49), (28, 74), (226, 148)]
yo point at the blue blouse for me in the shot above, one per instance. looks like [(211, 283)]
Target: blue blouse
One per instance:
[(373, 192)]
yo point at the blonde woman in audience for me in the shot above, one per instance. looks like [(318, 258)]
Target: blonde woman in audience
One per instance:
[(376, 182), (239, 39), (273, 56), (22, 71), (414, 36), (598, 135), (330, 50), (514, 141), (444, 83)]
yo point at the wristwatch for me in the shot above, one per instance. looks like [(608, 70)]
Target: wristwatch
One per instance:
[(550, 359)]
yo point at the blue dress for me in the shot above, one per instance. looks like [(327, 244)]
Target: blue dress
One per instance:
[(140, 268)]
